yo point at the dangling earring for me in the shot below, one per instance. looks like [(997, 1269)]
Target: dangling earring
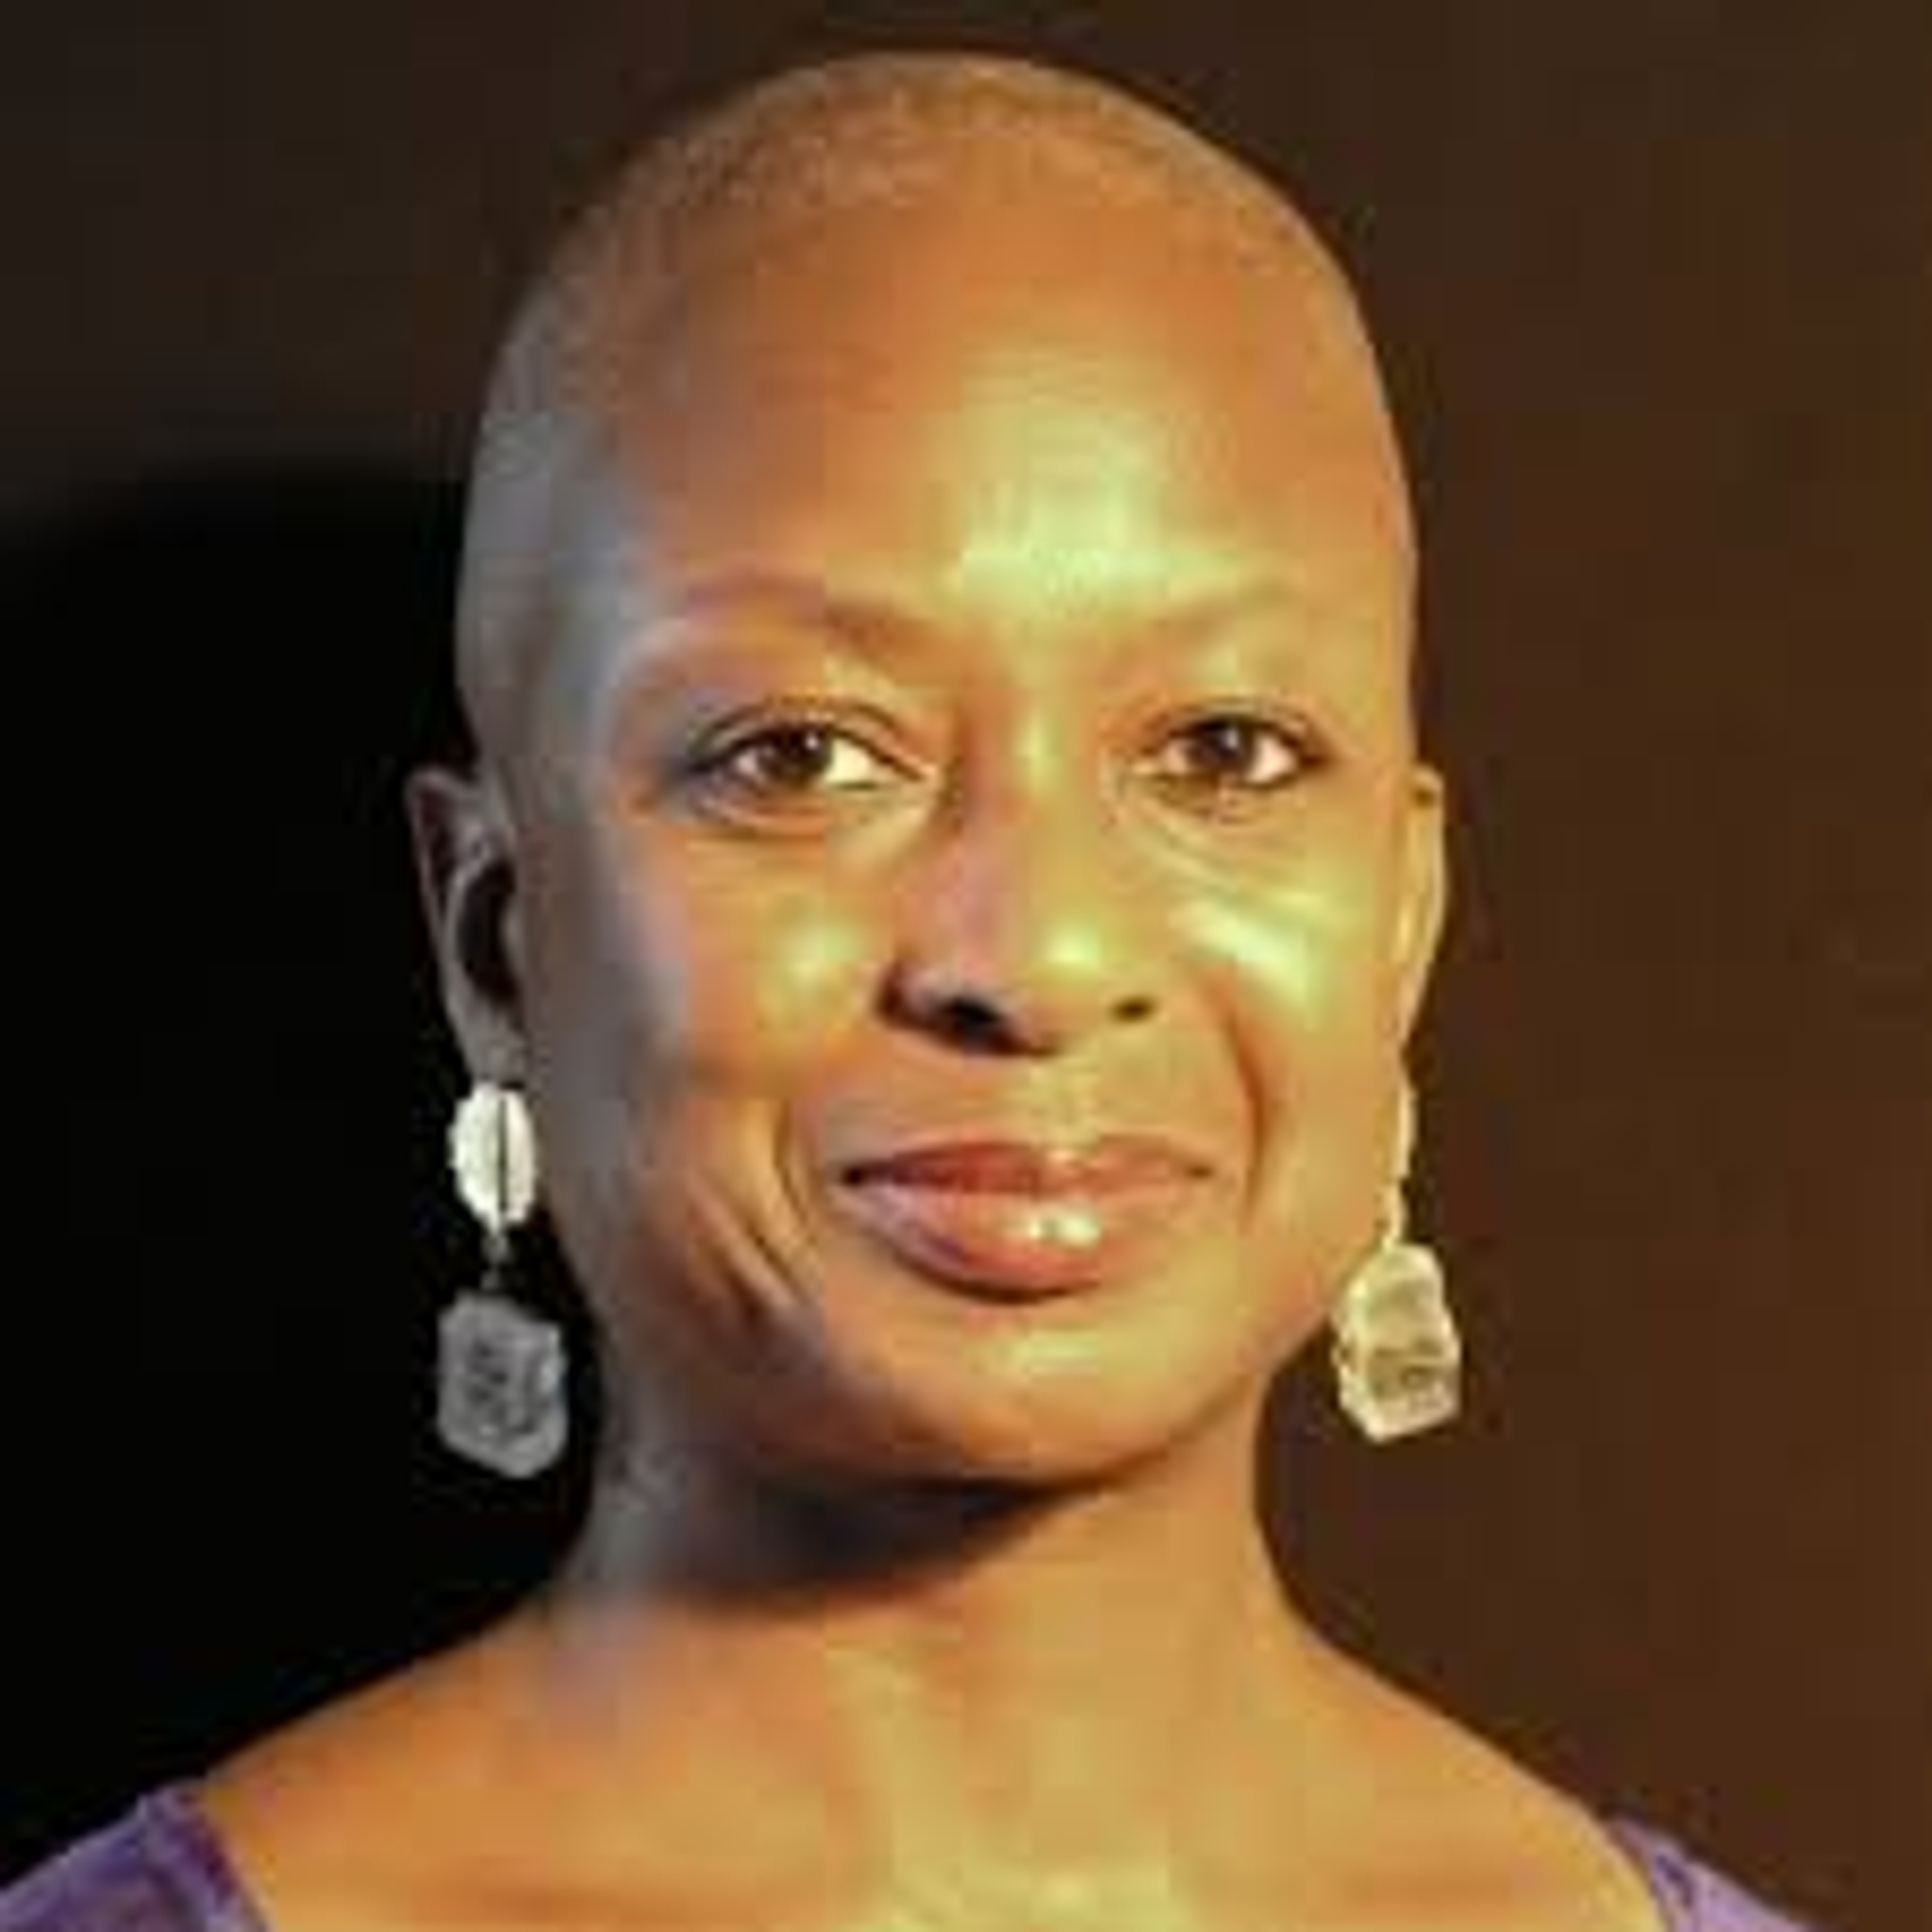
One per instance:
[(500, 1397), (1397, 1355)]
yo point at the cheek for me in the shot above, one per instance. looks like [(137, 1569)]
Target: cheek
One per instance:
[(731, 977), (1296, 987), (1310, 1015), (1304, 962), (667, 993)]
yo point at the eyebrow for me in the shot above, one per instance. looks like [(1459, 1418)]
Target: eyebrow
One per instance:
[(876, 628), (872, 626)]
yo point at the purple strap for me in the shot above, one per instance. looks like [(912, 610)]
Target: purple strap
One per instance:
[(158, 1868), (1691, 1896)]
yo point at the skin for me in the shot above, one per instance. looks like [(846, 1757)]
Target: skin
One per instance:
[(895, 1608)]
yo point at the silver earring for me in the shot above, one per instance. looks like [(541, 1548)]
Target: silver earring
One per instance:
[(500, 1396), (1397, 1356)]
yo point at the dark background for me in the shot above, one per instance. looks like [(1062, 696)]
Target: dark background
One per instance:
[(1654, 283)]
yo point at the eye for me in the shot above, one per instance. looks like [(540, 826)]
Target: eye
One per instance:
[(1226, 753), (796, 758)]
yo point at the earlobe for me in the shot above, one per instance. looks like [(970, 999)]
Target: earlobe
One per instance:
[(466, 876), (1424, 890)]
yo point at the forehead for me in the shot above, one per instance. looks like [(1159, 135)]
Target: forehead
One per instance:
[(952, 372), (1011, 410)]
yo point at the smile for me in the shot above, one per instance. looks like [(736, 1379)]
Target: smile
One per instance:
[(1015, 1222)]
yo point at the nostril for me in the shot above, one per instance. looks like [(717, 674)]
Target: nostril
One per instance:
[(976, 1022)]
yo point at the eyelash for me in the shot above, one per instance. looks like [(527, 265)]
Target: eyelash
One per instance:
[(715, 765), (1300, 752)]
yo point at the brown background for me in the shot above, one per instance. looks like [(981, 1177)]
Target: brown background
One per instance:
[(1655, 286)]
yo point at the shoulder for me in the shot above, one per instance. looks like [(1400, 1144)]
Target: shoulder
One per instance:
[(1528, 1851), (156, 1868), (326, 1818), (402, 1803)]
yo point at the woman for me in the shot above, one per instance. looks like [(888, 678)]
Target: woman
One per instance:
[(937, 914)]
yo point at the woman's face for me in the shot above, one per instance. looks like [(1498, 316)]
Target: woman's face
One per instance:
[(983, 718)]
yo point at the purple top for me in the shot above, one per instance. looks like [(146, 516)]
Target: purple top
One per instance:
[(159, 1868)]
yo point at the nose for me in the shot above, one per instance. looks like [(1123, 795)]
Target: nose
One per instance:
[(1023, 936)]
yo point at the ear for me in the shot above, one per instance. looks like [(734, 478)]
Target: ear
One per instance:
[(1423, 888), (466, 874)]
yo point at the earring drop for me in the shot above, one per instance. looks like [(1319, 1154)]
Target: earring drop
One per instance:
[(1397, 1355), (500, 1396)]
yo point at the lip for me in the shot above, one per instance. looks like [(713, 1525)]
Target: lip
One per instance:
[(1108, 1163), (1021, 1221)]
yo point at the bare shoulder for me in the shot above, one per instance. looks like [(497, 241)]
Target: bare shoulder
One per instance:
[(331, 1821), (1454, 1832), (430, 1801), (402, 1807)]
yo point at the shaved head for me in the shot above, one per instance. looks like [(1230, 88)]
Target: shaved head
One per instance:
[(936, 622), (786, 161)]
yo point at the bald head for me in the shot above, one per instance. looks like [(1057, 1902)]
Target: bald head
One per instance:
[(787, 164)]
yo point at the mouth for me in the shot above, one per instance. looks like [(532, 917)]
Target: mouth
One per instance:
[(1012, 1221)]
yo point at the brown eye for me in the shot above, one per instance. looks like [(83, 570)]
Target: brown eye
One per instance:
[(1233, 752), (798, 759)]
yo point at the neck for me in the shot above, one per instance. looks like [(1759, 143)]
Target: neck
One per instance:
[(996, 1693)]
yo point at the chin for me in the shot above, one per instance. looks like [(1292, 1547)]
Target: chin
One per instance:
[(879, 1378), (1036, 1415)]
